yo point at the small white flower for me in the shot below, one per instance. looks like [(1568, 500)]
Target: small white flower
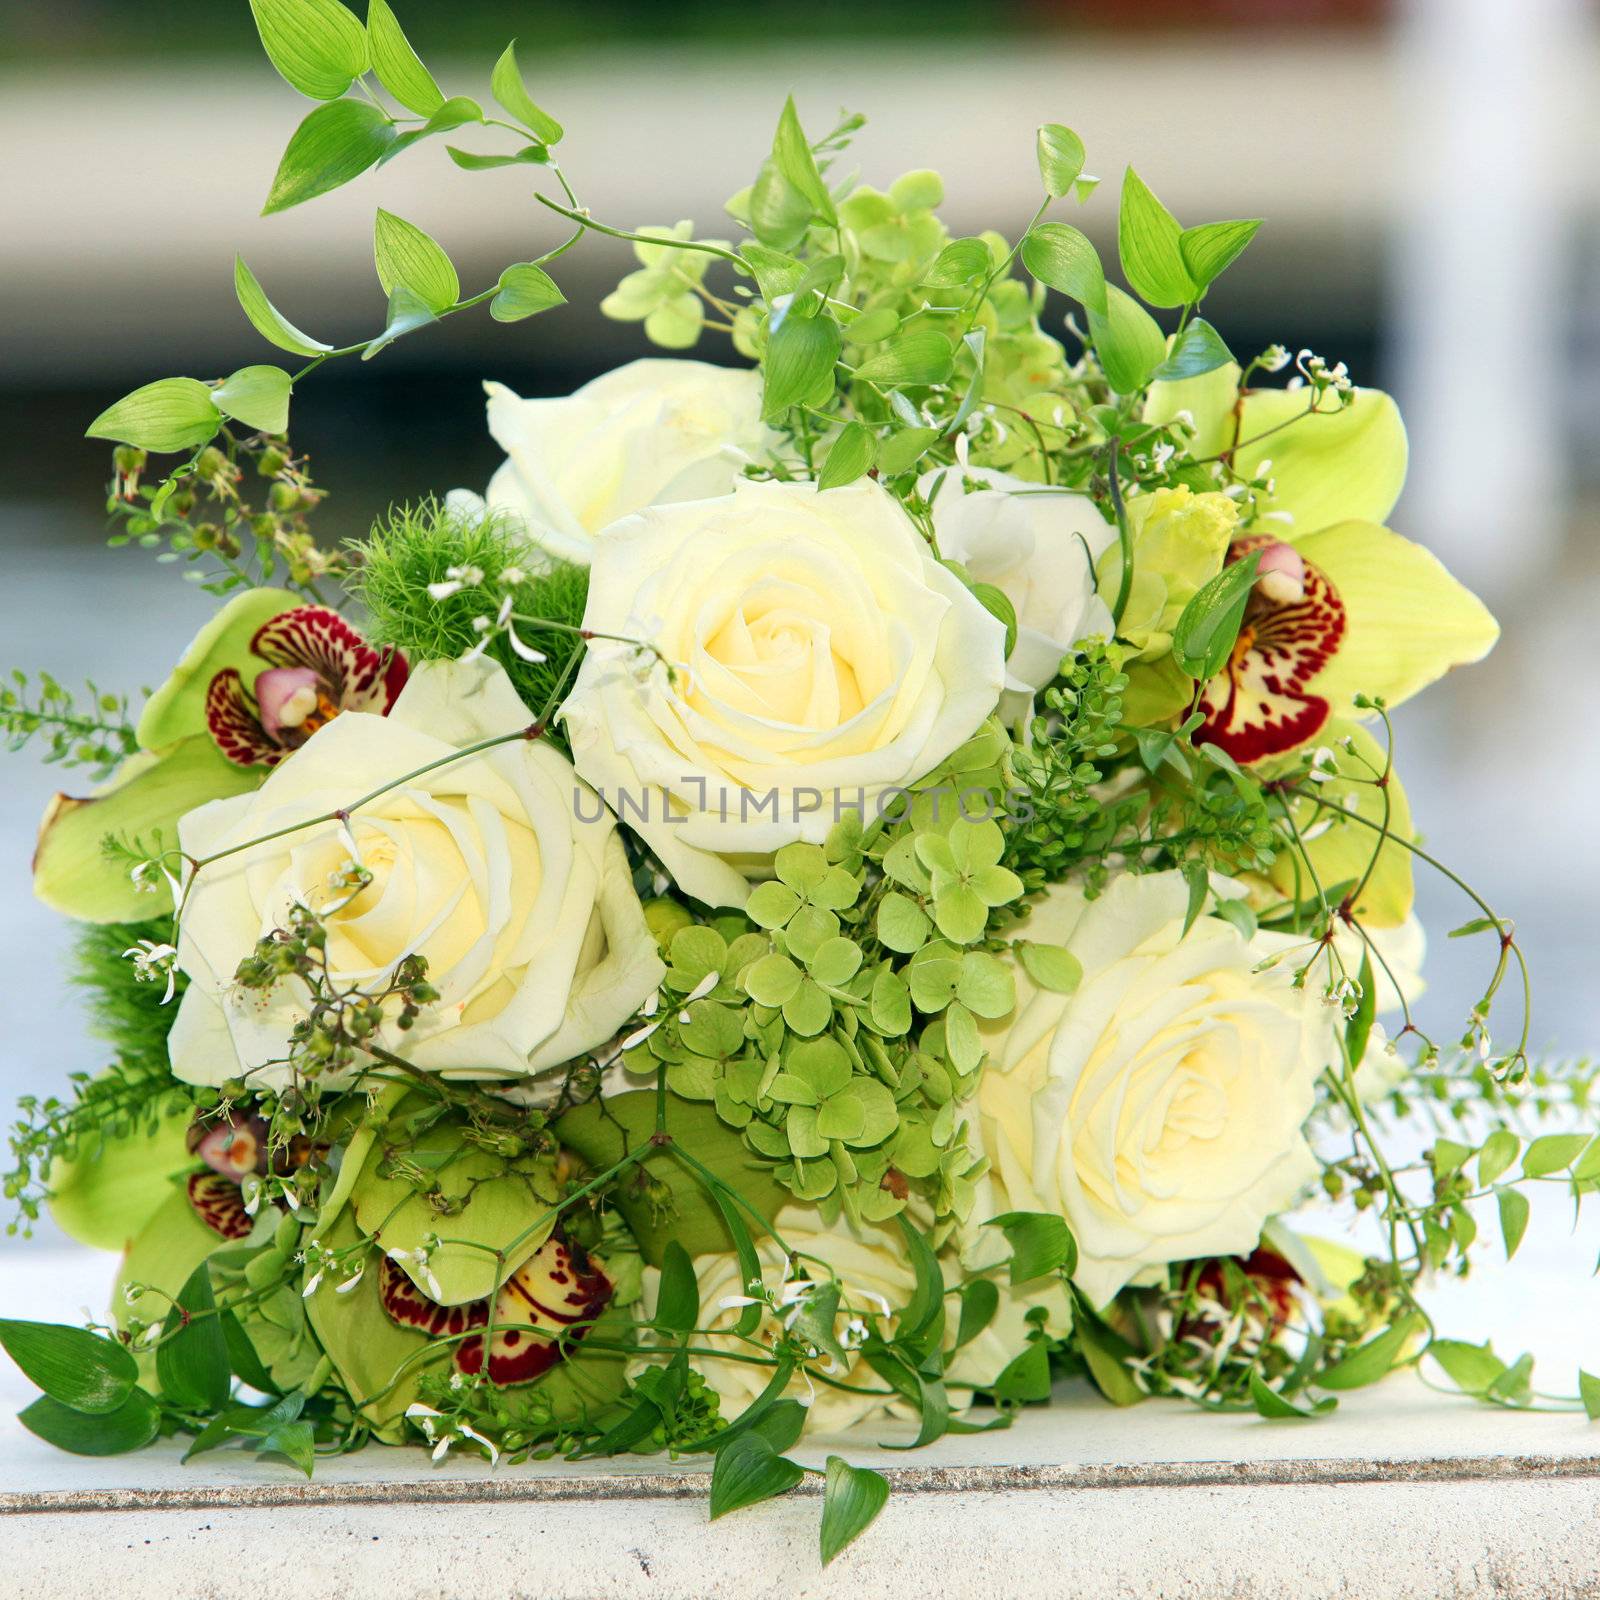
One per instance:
[(488, 1444), (311, 1284), (350, 1282)]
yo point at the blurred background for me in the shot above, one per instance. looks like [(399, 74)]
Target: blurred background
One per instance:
[(1433, 211)]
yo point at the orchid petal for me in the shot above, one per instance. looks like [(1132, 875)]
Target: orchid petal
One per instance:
[(1342, 851), (1332, 466), (71, 871), (1208, 399), (1408, 620), (178, 708)]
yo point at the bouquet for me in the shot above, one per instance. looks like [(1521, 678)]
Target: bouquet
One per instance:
[(843, 888)]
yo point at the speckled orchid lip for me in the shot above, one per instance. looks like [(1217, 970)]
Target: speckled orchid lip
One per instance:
[(541, 1308), (317, 666), (1262, 702)]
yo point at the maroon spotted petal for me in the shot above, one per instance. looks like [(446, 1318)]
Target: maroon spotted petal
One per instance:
[(1261, 703), (218, 1203), (411, 1308), (358, 676), (554, 1292), (232, 719)]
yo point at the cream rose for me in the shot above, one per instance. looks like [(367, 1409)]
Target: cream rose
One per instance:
[(649, 432), (821, 655), (1038, 547), (1158, 1108), (876, 1278), (525, 915)]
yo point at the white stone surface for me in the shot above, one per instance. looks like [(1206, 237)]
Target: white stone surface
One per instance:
[(1403, 1492)]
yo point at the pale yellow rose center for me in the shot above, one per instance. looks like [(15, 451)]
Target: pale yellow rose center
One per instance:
[(451, 880)]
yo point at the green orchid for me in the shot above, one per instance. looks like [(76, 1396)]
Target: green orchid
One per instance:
[(106, 1194), (1342, 607), (178, 767), (479, 1206)]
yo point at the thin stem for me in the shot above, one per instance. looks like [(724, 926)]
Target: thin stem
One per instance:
[(585, 220)]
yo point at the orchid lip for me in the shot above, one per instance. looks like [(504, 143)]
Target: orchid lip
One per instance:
[(286, 696)]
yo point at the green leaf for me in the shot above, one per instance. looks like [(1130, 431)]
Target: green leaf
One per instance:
[(192, 1357), (1199, 349), (106, 1433), (295, 1441), (961, 261), (242, 1357), (454, 113), (1513, 1208), (267, 320), (1552, 1153), (980, 1299), (399, 68), (334, 144), (84, 1371), (1026, 1377), (1051, 966), (1106, 1354), (1208, 626), (1061, 257), (1148, 242), (792, 157), (678, 1298), (748, 1471), (913, 358), (257, 397), (318, 46), (168, 416), (1061, 158), (407, 258), (998, 604), (1128, 340), (1279, 1407), (779, 212), (508, 88), (903, 449), (853, 1496), (1498, 1153), (927, 1300), (799, 364), (850, 455), (1212, 247), (525, 290), (1359, 1028), (1448, 1156), (1040, 1243), (407, 313), (530, 155), (1472, 1368), (1370, 1361), (1589, 1393)]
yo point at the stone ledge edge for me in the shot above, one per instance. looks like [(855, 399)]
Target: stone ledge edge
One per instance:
[(906, 1480)]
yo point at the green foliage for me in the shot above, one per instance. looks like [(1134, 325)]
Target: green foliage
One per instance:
[(417, 548), (131, 1015), (95, 731)]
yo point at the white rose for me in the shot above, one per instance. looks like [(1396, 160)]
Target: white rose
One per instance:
[(1159, 1107), (823, 658), (525, 915), (876, 1278), (652, 431), (1038, 547)]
